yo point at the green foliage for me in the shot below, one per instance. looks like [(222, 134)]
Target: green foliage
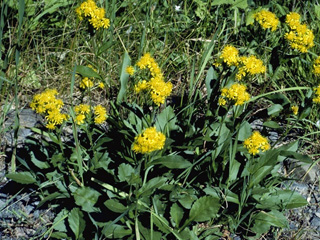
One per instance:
[(204, 181)]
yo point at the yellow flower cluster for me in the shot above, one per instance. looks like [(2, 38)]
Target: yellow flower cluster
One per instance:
[(47, 103), (267, 19), (316, 66), (236, 93), (81, 111), (230, 55), (159, 89), (316, 99), (299, 37), (130, 70), (250, 65), (100, 114), (95, 15), (295, 109), (256, 142), (148, 141)]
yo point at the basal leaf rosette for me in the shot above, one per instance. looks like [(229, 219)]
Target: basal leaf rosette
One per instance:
[(151, 81), (148, 141), (256, 143)]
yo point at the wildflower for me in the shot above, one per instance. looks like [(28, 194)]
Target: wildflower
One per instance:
[(316, 66), (46, 103), (141, 86), (230, 55), (236, 93), (267, 19), (100, 114), (316, 99), (148, 141), (160, 90), (130, 70), (81, 111), (250, 65), (256, 142), (295, 109), (299, 37), (86, 83), (101, 85), (95, 15)]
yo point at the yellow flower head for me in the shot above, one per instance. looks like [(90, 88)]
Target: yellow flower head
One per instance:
[(100, 114), (316, 66), (236, 93), (250, 65), (299, 37), (230, 55), (160, 90), (148, 141), (295, 109), (141, 86), (130, 70), (256, 142), (316, 98), (95, 15), (101, 85), (267, 20), (86, 83)]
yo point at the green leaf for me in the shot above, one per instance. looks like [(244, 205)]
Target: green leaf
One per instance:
[(176, 214), (227, 194), (115, 231), (151, 186), (297, 156), (243, 4), (263, 220), (219, 2), (274, 110), (86, 198), (124, 76), (317, 11), (115, 206), (22, 177), (260, 174), (166, 120), (146, 233), (59, 223), (211, 76), (38, 163), (125, 172), (87, 72), (271, 124), (245, 131), (172, 162), (204, 209), (76, 222)]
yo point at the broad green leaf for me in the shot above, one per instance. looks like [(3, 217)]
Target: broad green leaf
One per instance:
[(211, 76), (274, 110), (114, 231), (219, 2), (76, 222), (59, 221), (166, 120), (176, 214), (297, 156), (115, 206), (38, 163), (162, 223), (124, 76), (151, 186), (86, 198), (245, 131), (317, 11), (204, 209), (50, 197), (260, 174), (22, 177), (125, 171), (264, 220), (172, 162), (146, 233), (87, 72), (187, 200), (243, 4), (271, 124)]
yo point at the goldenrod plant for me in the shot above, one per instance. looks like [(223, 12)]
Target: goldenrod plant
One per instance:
[(151, 143)]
